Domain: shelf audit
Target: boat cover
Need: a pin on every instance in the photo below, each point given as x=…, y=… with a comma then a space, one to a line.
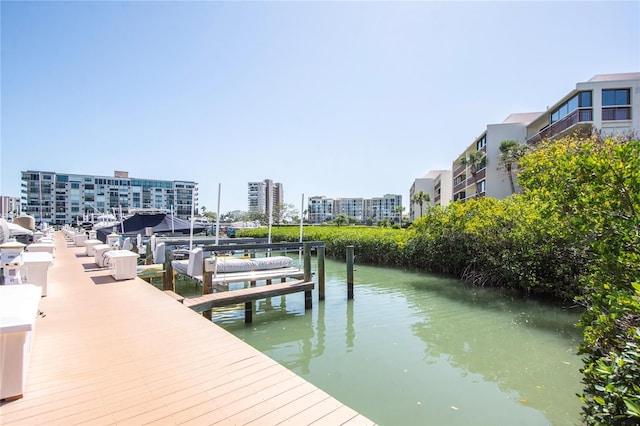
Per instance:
x=226, y=265
x=236, y=264
x=162, y=223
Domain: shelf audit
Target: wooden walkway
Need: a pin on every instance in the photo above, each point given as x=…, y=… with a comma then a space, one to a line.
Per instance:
x=112, y=352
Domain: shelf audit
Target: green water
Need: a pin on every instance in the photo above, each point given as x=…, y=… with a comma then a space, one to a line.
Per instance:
x=416, y=349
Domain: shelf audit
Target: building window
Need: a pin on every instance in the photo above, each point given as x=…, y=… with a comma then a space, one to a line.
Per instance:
x=459, y=196
x=482, y=186
x=481, y=143
x=483, y=164
x=616, y=104
x=616, y=97
x=580, y=100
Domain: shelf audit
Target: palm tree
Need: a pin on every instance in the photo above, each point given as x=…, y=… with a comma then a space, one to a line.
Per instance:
x=473, y=160
x=421, y=198
x=510, y=153
x=399, y=209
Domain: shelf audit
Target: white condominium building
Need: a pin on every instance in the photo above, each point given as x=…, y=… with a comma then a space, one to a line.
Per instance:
x=66, y=198
x=609, y=103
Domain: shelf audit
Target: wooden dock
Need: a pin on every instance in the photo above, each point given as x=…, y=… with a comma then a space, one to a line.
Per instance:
x=109, y=352
x=247, y=296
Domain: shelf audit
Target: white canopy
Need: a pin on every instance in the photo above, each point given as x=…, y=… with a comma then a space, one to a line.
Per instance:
x=4, y=231
x=15, y=230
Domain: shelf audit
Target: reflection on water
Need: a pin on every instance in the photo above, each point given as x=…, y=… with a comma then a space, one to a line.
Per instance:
x=415, y=349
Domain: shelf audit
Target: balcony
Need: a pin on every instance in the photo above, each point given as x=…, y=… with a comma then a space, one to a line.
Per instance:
x=459, y=169
x=579, y=119
x=460, y=186
x=480, y=174
x=616, y=113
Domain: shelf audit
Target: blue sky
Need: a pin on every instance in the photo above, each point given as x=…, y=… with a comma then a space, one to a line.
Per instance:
x=342, y=99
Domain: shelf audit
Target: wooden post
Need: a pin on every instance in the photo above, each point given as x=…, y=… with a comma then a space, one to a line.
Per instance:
x=308, y=302
x=320, y=273
x=306, y=248
x=148, y=258
x=167, y=277
x=248, y=312
x=349, y=272
x=207, y=288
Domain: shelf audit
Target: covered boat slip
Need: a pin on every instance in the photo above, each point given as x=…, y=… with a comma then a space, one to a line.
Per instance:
x=123, y=352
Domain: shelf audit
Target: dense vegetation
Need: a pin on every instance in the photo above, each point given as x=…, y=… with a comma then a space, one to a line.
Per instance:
x=593, y=185
x=573, y=235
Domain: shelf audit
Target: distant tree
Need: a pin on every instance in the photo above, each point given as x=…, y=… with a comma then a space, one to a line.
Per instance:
x=261, y=218
x=475, y=160
x=341, y=219
x=230, y=217
x=510, y=153
x=284, y=213
x=384, y=223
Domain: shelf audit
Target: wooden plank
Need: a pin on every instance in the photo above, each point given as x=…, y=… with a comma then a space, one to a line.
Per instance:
x=234, y=297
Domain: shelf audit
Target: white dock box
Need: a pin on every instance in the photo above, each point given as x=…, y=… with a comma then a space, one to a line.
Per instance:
x=123, y=264
x=18, y=312
x=79, y=239
x=10, y=250
x=90, y=246
x=35, y=269
x=100, y=254
x=41, y=247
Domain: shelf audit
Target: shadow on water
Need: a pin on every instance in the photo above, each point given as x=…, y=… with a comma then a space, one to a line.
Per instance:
x=534, y=313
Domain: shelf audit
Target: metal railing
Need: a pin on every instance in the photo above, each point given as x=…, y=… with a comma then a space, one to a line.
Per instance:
x=577, y=116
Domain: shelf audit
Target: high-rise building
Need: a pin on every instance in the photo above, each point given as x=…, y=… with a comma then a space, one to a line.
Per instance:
x=65, y=198
x=264, y=196
x=372, y=210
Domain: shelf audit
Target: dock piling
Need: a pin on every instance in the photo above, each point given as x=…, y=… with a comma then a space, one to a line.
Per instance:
x=320, y=273
x=350, y=272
